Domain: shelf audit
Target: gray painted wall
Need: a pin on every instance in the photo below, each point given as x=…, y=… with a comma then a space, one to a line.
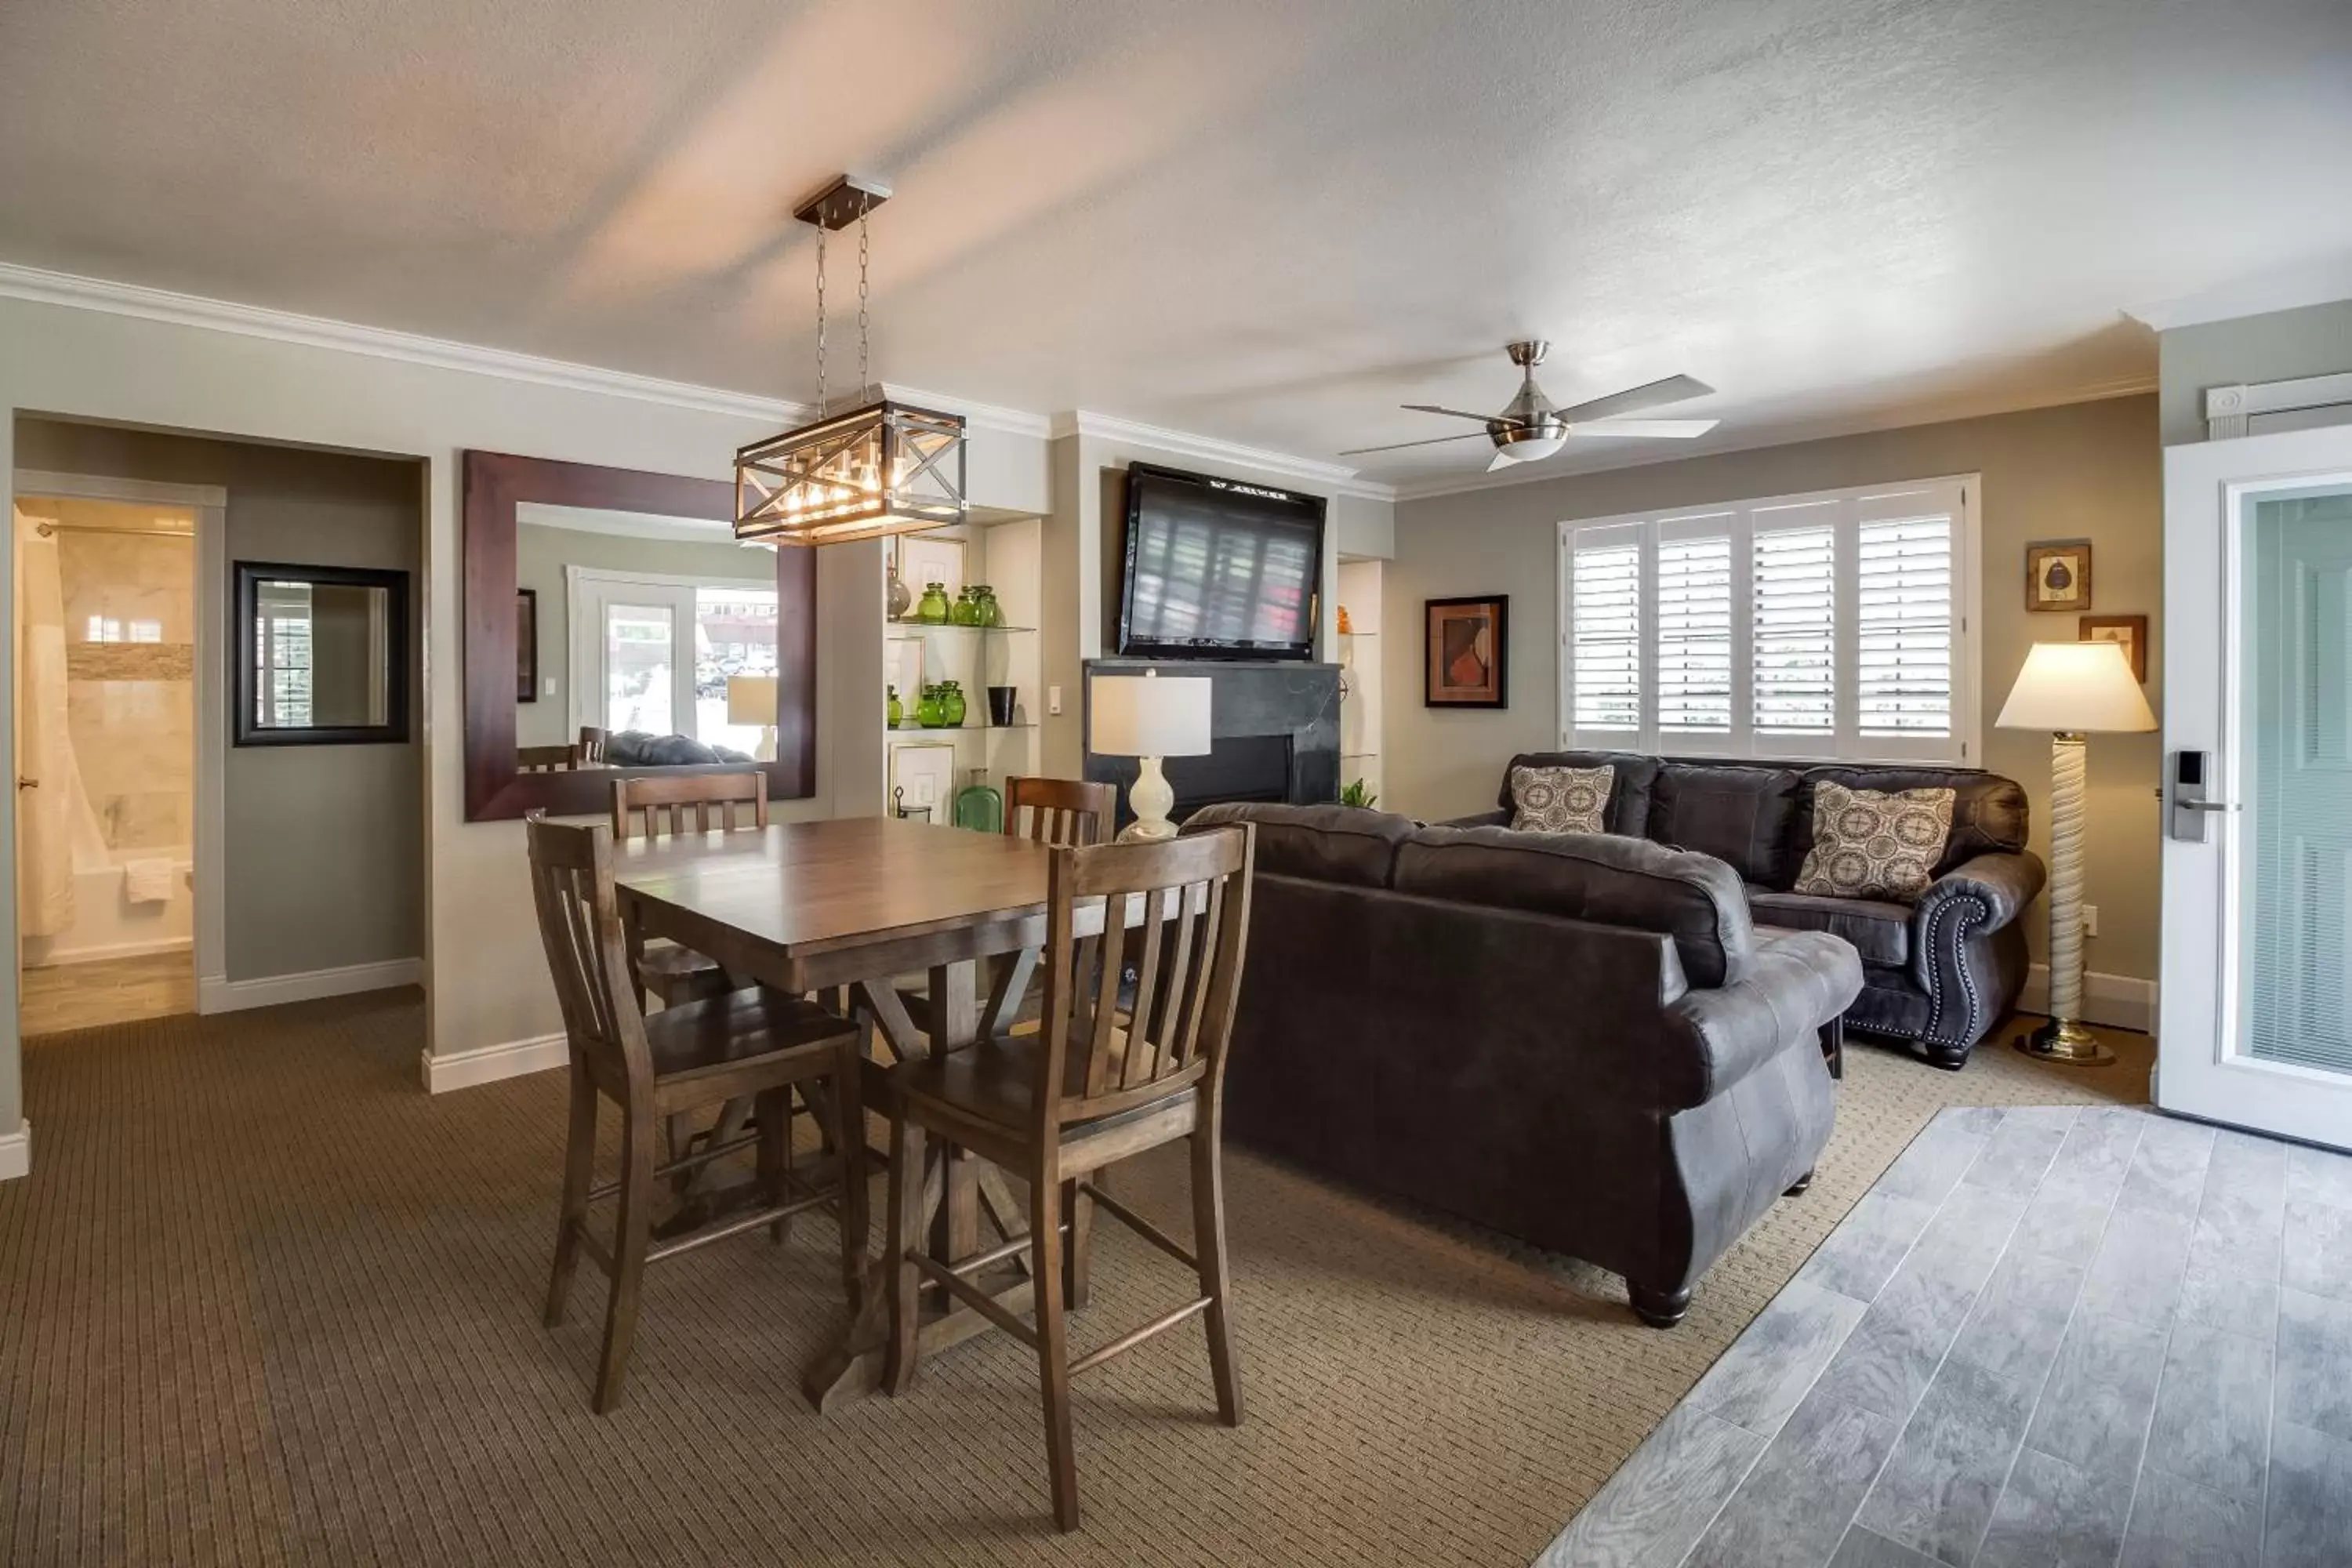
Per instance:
x=2284, y=345
x=325, y=843
x=2087, y=470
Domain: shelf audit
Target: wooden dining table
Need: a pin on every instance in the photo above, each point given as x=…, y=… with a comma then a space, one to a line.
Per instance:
x=854, y=903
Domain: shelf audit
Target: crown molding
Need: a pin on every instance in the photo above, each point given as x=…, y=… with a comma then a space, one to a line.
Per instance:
x=2325, y=282
x=1792, y=435
x=980, y=415
x=1337, y=477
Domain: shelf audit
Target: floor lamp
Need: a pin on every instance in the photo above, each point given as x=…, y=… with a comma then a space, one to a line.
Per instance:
x=2071, y=688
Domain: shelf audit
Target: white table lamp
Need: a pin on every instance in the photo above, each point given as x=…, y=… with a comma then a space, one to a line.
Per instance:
x=1148, y=717
x=2071, y=688
x=752, y=699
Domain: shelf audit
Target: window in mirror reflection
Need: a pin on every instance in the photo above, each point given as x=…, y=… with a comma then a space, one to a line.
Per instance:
x=323, y=655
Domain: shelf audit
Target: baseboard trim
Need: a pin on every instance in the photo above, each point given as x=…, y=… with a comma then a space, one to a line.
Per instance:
x=2118, y=1001
x=104, y=951
x=488, y=1064
x=219, y=993
x=17, y=1152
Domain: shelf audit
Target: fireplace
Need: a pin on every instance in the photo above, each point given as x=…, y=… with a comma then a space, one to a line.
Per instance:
x=1275, y=735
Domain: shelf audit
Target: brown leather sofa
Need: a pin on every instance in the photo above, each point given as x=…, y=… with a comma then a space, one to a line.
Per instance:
x=1580, y=1040
x=1937, y=974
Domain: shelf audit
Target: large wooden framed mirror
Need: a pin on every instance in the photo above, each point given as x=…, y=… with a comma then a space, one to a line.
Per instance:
x=615, y=627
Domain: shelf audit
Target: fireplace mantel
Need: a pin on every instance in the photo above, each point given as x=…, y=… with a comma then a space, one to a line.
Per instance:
x=1253, y=702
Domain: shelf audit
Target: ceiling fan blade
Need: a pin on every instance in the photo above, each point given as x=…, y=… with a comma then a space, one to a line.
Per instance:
x=1662, y=429
x=1458, y=413
x=1633, y=400
x=1401, y=446
x=1503, y=460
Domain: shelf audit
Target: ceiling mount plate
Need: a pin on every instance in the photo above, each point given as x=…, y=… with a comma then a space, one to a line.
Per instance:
x=842, y=202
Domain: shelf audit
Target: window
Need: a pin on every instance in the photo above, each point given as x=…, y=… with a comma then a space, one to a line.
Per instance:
x=1836, y=626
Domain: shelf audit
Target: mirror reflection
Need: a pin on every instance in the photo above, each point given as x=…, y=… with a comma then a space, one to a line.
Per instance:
x=641, y=641
x=322, y=655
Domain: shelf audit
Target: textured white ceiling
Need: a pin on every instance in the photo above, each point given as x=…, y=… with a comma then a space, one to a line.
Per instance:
x=1268, y=221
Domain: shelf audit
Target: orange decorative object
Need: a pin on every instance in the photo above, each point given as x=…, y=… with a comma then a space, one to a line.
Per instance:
x=1345, y=627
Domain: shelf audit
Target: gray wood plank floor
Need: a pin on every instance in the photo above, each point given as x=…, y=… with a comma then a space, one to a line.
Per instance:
x=2092, y=1337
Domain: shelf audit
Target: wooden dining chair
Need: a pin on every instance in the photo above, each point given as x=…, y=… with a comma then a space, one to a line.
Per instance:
x=592, y=742
x=546, y=759
x=1059, y=1107
x=757, y=1042
x=1059, y=811
x=660, y=806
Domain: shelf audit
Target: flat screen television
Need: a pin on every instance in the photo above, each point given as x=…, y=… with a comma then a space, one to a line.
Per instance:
x=1218, y=568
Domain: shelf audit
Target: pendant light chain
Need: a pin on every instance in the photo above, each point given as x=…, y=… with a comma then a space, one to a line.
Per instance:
x=865, y=379
x=821, y=409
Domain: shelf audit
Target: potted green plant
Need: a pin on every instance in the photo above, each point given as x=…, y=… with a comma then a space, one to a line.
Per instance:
x=1359, y=793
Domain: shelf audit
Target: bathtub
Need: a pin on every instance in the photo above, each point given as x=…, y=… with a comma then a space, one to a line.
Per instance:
x=108, y=925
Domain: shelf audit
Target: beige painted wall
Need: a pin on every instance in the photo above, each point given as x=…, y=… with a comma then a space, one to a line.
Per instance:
x=2087, y=470
x=2279, y=346
x=324, y=845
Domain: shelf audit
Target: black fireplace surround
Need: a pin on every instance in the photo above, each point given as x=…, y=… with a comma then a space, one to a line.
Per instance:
x=1274, y=728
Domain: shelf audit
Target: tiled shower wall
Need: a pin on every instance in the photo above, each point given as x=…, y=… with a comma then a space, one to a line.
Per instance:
x=130, y=627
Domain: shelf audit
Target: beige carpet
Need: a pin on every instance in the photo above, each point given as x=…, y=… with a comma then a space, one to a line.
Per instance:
x=263, y=1301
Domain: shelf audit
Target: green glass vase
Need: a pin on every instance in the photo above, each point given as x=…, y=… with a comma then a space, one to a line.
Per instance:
x=928, y=710
x=980, y=809
x=952, y=705
x=991, y=614
x=932, y=607
x=967, y=608
x=897, y=709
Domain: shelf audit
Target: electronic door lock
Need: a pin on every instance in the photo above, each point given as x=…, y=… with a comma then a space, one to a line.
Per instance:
x=2191, y=805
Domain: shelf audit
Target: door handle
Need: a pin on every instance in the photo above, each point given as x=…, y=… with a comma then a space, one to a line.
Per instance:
x=24, y=782
x=2206, y=804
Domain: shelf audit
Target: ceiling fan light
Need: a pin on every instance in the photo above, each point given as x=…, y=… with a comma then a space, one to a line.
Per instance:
x=1535, y=448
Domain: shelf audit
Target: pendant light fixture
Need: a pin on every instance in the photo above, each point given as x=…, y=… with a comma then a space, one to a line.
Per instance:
x=881, y=468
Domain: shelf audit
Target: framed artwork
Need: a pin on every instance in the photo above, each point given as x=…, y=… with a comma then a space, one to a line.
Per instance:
x=526, y=645
x=2129, y=630
x=1466, y=652
x=2058, y=574
x=907, y=671
x=922, y=780
x=925, y=558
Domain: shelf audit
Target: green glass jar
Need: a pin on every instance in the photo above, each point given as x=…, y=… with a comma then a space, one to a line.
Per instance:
x=932, y=607
x=951, y=705
x=897, y=709
x=967, y=608
x=991, y=614
x=927, y=713
x=980, y=807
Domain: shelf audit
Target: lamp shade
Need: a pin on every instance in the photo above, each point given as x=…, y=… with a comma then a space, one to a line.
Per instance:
x=1150, y=715
x=2077, y=687
x=752, y=699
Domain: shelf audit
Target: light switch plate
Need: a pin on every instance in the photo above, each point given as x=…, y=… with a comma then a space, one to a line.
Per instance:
x=1054, y=700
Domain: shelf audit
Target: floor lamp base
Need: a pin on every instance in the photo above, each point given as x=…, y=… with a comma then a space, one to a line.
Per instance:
x=2065, y=1041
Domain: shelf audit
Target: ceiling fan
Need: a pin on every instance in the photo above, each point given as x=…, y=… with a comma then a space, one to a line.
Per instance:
x=1531, y=428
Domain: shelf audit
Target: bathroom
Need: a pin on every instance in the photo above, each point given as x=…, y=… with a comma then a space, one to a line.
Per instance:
x=106, y=617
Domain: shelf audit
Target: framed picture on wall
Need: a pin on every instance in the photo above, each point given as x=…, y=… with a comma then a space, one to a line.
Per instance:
x=2058, y=574
x=526, y=645
x=924, y=559
x=922, y=780
x=2129, y=630
x=1466, y=652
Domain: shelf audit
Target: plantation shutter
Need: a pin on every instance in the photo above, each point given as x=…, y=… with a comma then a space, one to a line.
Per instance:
x=1605, y=650
x=1903, y=609
x=1793, y=567
x=1694, y=634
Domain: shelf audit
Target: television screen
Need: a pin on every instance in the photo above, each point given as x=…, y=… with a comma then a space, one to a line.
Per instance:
x=1218, y=568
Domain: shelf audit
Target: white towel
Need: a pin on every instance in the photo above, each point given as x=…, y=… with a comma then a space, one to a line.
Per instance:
x=148, y=882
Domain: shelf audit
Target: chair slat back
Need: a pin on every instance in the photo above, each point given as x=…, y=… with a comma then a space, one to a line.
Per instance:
x=546, y=759
x=592, y=742
x=1178, y=910
x=580, y=925
x=657, y=807
x=1059, y=811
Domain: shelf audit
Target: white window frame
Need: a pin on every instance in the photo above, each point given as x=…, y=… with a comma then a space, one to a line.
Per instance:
x=1845, y=743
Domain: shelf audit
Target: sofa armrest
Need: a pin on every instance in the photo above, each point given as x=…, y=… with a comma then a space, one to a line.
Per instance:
x=1952, y=956
x=1482, y=820
x=1799, y=980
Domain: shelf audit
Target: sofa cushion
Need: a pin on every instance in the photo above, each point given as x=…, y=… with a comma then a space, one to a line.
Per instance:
x=1346, y=844
x=1597, y=877
x=1738, y=815
x=1629, y=794
x=1874, y=844
x=1560, y=800
x=1989, y=812
x=1880, y=931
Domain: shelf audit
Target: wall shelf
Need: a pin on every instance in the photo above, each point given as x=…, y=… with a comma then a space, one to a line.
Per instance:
x=895, y=626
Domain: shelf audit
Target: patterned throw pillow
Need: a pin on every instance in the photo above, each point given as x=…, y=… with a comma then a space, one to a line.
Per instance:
x=1876, y=844
x=1560, y=800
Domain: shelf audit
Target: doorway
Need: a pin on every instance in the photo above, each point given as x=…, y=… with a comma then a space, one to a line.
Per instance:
x=108, y=695
x=2256, y=1002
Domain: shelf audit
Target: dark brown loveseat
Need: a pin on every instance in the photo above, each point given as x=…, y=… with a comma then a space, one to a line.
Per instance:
x=1579, y=1040
x=1937, y=974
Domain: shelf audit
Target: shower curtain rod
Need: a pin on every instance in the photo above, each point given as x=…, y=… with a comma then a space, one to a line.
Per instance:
x=47, y=530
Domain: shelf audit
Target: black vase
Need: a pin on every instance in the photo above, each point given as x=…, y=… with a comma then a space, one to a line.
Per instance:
x=1000, y=704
